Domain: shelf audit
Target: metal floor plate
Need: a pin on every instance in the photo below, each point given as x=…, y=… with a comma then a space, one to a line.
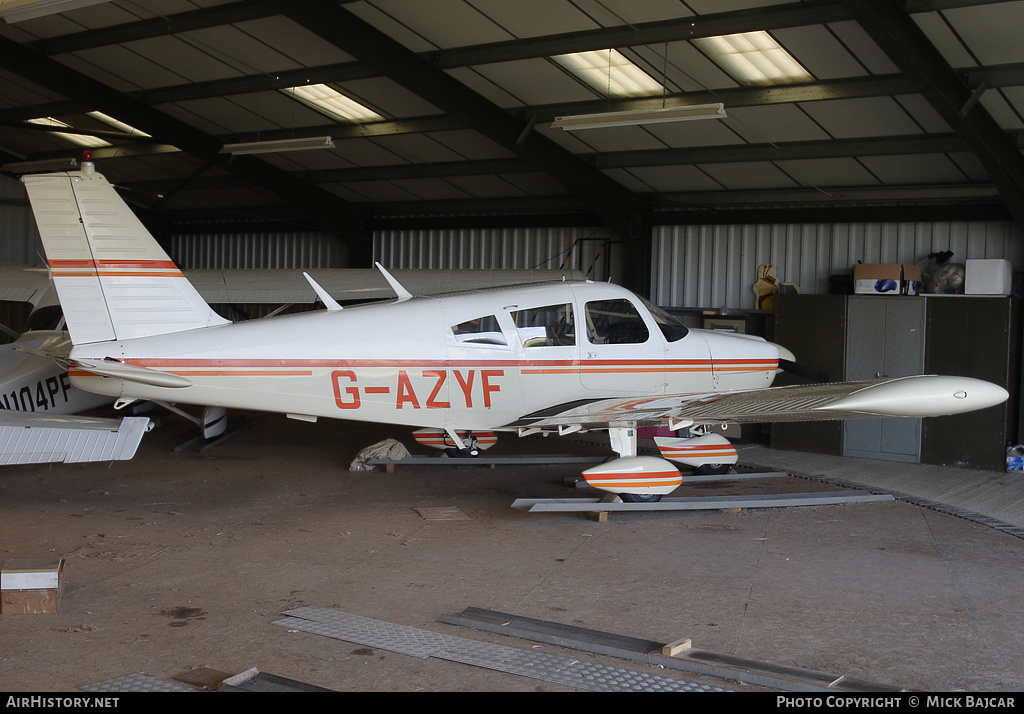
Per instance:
x=404, y=639
x=136, y=683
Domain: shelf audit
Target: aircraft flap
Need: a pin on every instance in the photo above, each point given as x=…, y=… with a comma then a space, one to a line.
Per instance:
x=131, y=373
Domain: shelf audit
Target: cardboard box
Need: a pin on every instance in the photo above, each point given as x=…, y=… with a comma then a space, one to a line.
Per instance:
x=988, y=277
x=723, y=324
x=886, y=279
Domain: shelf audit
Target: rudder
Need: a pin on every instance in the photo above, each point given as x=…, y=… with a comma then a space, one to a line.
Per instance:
x=114, y=280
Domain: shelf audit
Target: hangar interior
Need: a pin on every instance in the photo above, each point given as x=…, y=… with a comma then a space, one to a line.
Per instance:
x=839, y=132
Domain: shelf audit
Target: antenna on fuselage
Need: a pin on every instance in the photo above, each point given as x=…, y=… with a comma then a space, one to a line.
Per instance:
x=401, y=292
x=329, y=302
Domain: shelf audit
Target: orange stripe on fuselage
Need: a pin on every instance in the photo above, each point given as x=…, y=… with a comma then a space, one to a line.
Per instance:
x=304, y=367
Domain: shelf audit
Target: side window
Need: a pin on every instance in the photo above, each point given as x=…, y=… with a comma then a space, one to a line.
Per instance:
x=548, y=326
x=615, y=322
x=481, y=331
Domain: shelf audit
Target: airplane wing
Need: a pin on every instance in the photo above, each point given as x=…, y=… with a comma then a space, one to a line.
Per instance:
x=32, y=438
x=277, y=286
x=917, y=396
x=23, y=283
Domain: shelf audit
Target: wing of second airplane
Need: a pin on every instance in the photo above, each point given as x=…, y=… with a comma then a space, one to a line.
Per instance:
x=353, y=284
x=917, y=396
x=32, y=438
x=23, y=283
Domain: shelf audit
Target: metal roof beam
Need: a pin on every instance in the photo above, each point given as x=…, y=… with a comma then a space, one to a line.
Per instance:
x=647, y=33
x=156, y=27
x=616, y=207
x=627, y=35
x=789, y=151
x=334, y=213
x=909, y=49
x=686, y=28
x=796, y=150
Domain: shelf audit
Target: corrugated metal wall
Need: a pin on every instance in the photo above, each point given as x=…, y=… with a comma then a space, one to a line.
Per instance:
x=584, y=249
x=715, y=266
x=710, y=266
x=694, y=266
x=258, y=250
x=19, y=239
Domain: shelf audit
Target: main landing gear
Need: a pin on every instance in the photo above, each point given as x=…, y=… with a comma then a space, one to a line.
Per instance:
x=635, y=479
x=645, y=479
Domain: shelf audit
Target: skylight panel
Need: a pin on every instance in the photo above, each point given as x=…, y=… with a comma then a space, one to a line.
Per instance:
x=333, y=103
x=90, y=142
x=754, y=58
x=609, y=72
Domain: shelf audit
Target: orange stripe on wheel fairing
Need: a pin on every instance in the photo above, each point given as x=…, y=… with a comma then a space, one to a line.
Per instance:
x=633, y=483
x=703, y=455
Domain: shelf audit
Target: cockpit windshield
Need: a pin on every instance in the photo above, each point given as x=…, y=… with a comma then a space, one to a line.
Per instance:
x=670, y=326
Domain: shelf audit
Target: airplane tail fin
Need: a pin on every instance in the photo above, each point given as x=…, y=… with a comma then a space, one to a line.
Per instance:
x=114, y=280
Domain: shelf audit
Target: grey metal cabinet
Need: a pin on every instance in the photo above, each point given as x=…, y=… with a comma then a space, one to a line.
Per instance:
x=856, y=337
x=885, y=337
x=974, y=337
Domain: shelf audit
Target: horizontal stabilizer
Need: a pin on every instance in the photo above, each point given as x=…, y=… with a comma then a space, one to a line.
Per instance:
x=39, y=439
x=120, y=370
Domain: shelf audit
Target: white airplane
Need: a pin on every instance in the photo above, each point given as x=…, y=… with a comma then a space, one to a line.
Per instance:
x=558, y=357
x=35, y=389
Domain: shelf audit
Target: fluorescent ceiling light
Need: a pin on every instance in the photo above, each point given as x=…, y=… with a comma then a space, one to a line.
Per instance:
x=119, y=125
x=333, y=103
x=18, y=10
x=640, y=116
x=754, y=58
x=270, y=147
x=609, y=72
x=85, y=140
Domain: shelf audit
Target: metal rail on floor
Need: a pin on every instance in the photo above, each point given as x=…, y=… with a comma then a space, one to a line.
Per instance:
x=491, y=461
x=766, y=674
x=697, y=503
x=407, y=640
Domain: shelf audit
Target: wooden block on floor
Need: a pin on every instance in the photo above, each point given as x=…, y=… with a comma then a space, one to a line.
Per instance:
x=674, y=648
x=31, y=586
x=602, y=516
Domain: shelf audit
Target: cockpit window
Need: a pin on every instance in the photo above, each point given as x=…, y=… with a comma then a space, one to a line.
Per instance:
x=670, y=326
x=548, y=326
x=481, y=331
x=615, y=322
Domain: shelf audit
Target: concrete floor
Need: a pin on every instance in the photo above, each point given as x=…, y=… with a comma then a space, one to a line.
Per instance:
x=179, y=564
